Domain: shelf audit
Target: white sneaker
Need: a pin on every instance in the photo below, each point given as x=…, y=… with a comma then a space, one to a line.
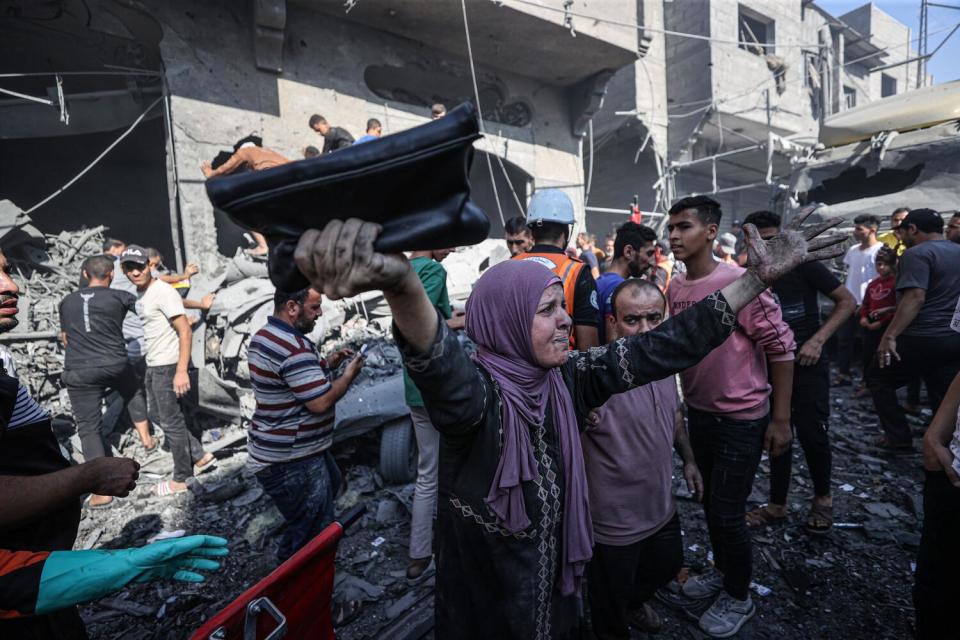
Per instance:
x=726, y=615
x=705, y=585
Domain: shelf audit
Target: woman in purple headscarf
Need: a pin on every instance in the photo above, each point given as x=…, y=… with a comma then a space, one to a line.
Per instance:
x=514, y=530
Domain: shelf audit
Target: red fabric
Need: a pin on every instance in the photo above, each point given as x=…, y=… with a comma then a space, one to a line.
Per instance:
x=301, y=588
x=881, y=292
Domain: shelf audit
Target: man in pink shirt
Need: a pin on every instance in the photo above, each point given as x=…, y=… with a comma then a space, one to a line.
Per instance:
x=732, y=416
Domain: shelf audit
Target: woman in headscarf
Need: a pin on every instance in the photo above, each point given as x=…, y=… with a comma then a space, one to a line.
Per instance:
x=514, y=530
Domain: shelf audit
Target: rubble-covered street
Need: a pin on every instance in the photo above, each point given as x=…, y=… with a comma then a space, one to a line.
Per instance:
x=853, y=583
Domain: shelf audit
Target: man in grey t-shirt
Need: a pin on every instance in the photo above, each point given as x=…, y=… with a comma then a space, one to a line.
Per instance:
x=923, y=339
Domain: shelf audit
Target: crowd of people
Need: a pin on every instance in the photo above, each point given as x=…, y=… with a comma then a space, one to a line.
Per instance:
x=545, y=460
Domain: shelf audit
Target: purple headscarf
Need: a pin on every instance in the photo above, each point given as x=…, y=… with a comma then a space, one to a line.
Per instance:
x=500, y=313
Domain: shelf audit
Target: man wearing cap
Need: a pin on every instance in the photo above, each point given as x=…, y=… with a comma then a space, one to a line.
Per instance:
x=923, y=339
x=168, y=338
x=727, y=248
x=549, y=217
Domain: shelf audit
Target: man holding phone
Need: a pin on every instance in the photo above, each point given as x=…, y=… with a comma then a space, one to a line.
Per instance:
x=291, y=432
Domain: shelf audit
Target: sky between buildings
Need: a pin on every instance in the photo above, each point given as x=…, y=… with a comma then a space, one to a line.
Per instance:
x=945, y=65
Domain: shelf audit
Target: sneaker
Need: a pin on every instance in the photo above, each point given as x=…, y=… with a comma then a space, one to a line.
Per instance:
x=727, y=614
x=705, y=585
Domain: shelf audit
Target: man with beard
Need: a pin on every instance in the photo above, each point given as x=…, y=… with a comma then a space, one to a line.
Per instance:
x=634, y=254
x=291, y=431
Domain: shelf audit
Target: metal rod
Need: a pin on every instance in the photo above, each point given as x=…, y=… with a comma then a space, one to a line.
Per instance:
x=624, y=211
x=687, y=163
x=27, y=336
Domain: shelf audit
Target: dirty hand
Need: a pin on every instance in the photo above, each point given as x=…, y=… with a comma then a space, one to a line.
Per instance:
x=181, y=383
x=338, y=356
x=354, y=367
x=109, y=476
x=778, y=437
x=75, y=577
x=771, y=259
x=691, y=474
x=887, y=351
x=809, y=353
x=207, y=301
x=937, y=457
x=191, y=270
x=340, y=261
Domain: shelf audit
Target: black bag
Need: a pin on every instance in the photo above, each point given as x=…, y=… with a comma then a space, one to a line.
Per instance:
x=414, y=183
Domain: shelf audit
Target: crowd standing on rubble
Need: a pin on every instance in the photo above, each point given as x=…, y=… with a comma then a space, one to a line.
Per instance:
x=532, y=450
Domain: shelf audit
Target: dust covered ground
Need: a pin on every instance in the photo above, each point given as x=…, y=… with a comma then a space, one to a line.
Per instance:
x=852, y=583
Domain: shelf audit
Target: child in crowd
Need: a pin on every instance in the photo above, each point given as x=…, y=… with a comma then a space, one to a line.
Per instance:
x=879, y=302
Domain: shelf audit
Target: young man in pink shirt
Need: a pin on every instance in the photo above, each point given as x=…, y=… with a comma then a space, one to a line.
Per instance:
x=738, y=400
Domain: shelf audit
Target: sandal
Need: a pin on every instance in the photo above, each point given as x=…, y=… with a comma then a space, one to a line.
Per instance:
x=762, y=517
x=103, y=505
x=164, y=489
x=820, y=519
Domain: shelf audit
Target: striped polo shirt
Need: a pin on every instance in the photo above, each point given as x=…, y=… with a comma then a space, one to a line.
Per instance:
x=286, y=371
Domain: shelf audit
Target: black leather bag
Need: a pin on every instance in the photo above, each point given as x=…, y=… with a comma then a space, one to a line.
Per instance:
x=414, y=183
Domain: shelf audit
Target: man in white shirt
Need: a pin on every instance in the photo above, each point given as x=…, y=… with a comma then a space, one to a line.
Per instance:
x=167, y=335
x=861, y=269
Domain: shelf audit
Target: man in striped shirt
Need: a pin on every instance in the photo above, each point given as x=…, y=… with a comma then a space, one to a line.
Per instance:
x=292, y=428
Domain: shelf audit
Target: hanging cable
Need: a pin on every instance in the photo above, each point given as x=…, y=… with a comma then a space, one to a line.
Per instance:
x=64, y=114
x=476, y=94
x=586, y=191
x=97, y=159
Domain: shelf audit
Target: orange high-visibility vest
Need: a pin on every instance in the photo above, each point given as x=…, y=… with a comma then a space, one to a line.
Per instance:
x=566, y=268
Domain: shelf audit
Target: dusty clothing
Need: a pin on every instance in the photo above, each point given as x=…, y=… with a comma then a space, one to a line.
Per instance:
x=157, y=308
x=425, y=494
x=492, y=583
x=630, y=454
x=763, y=336
x=254, y=158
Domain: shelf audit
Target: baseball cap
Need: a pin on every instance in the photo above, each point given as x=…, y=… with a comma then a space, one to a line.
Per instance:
x=728, y=243
x=926, y=220
x=134, y=253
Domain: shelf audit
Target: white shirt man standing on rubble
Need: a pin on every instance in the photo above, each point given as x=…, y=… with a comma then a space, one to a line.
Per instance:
x=291, y=431
x=168, y=338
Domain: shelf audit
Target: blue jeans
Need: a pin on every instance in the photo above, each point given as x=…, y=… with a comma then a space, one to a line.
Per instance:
x=728, y=452
x=304, y=491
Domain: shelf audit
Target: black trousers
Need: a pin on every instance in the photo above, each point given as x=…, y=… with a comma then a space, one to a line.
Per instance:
x=809, y=413
x=165, y=407
x=87, y=388
x=620, y=579
x=936, y=360
x=728, y=452
x=936, y=590
x=847, y=337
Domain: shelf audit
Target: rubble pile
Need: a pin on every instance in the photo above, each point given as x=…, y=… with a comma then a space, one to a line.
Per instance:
x=854, y=582
x=46, y=268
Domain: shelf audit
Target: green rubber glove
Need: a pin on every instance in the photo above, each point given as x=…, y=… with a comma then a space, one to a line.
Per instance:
x=73, y=577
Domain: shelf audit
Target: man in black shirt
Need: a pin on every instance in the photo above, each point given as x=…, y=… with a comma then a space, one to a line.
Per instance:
x=798, y=293
x=334, y=138
x=91, y=325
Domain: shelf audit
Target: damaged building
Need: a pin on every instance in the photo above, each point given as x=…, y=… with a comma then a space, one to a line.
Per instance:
x=741, y=101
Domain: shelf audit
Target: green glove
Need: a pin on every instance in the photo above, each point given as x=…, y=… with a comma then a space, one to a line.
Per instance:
x=73, y=577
